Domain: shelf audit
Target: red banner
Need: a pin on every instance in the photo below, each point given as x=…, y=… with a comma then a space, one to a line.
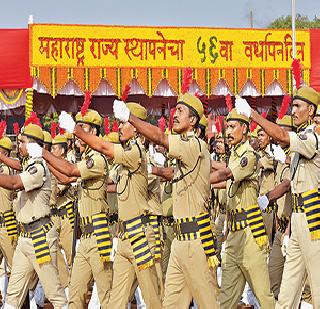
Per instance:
x=14, y=59
x=315, y=59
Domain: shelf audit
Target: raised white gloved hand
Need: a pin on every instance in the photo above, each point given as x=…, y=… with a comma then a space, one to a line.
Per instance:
x=114, y=249
x=159, y=158
x=66, y=122
x=279, y=154
x=263, y=202
x=242, y=107
x=285, y=244
x=121, y=111
x=34, y=150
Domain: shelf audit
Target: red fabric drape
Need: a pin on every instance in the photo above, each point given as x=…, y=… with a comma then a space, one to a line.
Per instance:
x=315, y=59
x=14, y=59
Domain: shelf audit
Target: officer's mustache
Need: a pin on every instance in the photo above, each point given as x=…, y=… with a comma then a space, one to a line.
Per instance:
x=175, y=119
x=229, y=137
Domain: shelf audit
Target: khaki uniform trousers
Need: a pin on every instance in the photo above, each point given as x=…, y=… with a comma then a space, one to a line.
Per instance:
x=65, y=235
x=87, y=265
x=276, y=264
x=302, y=260
x=126, y=273
x=219, y=227
x=24, y=269
x=7, y=246
x=244, y=261
x=268, y=224
x=188, y=269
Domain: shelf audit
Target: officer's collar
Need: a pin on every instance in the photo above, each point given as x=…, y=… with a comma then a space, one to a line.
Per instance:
x=127, y=144
x=286, y=150
x=240, y=147
x=303, y=126
x=222, y=157
x=187, y=135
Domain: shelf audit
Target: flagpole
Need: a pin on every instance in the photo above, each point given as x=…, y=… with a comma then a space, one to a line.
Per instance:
x=293, y=17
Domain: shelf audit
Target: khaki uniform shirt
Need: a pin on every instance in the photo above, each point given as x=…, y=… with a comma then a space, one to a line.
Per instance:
x=93, y=189
x=6, y=196
x=221, y=194
x=242, y=191
x=33, y=201
x=112, y=196
x=154, y=190
x=267, y=169
x=305, y=174
x=132, y=181
x=166, y=196
x=54, y=191
x=191, y=194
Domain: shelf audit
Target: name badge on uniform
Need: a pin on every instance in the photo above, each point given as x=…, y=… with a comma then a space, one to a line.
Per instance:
x=32, y=170
x=89, y=163
x=303, y=137
x=244, y=161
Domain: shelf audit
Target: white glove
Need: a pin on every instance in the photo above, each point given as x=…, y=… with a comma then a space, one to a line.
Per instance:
x=285, y=244
x=121, y=111
x=149, y=169
x=66, y=122
x=34, y=150
x=279, y=154
x=159, y=158
x=242, y=107
x=114, y=249
x=263, y=202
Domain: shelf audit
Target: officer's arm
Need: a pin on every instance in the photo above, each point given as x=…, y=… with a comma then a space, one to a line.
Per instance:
x=279, y=191
x=272, y=129
x=111, y=188
x=61, y=165
x=218, y=165
x=151, y=132
x=11, y=182
x=164, y=172
x=95, y=142
x=62, y=178
x=220, y=185
x=13, y=163
x=220, y=175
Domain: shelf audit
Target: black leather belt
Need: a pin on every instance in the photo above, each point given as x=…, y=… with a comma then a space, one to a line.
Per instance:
x=147, y=219
x=87, y=229
x=54, y=211
x=185, y=227
x=29, y=227
x=112, y=218
x=168, y=220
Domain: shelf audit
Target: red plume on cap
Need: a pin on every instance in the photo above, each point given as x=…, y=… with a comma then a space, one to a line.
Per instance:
x=61, y=131
x=125, y=93
x=296, y=71
x=284, y=106
x=3, y=126
x=106, y=125
x=197, y=94
x=172, y=111
x=218, y=124
x=264, y=114
x=162, y=123
x=33, y=119
x=16, y=128
x=54, y=126
x=253, y=126
x=86, y=103
x=229, y=102
x=115, y=127
x=187, y=79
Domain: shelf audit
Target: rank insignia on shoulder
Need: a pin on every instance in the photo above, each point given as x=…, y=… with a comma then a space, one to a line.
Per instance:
x=89, y=163
x=32, y=170
x=303, y=137
x=244, y=161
